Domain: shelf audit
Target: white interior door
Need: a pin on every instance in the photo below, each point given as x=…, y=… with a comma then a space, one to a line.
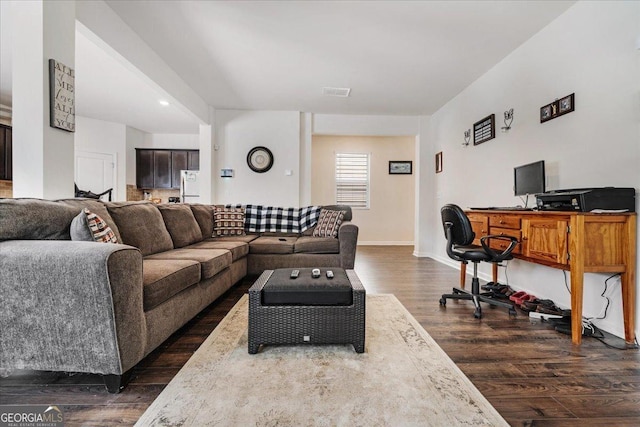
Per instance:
x=95, y=172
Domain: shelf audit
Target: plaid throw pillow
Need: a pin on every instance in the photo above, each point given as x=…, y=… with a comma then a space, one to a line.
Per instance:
x=328, y=223
x=99, y=229
x=228, y=221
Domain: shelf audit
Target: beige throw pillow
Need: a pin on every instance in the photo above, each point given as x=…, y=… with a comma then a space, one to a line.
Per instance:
x=328, y=223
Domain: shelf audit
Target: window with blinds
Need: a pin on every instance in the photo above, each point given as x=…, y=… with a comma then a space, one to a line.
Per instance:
x=352, y=180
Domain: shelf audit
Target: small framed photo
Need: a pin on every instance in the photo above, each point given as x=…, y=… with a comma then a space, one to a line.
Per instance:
x=566, y=104
x=545, y=113
x=439, y=162
x=400, y=167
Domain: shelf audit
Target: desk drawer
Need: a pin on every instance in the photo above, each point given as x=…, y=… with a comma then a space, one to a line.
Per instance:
x=504, y=221
x=504, y=244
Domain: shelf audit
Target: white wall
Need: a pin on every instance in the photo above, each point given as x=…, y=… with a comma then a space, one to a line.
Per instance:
x=237, y=132
x=390, y=218
x=589, y=50
x=135, y=138
x=42, y=155
x=171, y=141
x=97, y=136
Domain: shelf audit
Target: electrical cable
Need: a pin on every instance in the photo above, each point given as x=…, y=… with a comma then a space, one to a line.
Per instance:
x=566, y=285
x=606, y=307
x=595, y=331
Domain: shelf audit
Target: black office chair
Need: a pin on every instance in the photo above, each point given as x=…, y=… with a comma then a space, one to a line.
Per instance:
x=91, y=195
x=459, y=235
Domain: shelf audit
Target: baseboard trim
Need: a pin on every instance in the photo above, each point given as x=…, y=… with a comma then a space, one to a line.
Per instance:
x=387, y=243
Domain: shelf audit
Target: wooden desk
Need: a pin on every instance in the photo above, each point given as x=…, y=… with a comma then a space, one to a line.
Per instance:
x=574, y=241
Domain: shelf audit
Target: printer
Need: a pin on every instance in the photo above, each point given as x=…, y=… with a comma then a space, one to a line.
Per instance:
x=588, y=199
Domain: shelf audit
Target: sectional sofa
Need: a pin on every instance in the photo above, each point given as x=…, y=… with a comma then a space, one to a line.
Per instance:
x=80, y=306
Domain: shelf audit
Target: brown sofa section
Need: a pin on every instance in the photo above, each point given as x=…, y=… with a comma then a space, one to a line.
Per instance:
x=165, y=268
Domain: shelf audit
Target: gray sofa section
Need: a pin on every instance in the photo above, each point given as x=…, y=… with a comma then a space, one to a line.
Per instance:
x=82, y=306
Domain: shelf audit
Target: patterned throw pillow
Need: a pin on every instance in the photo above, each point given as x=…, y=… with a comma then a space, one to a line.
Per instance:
x=88, y=226
x=328, y=223
x=228, y=221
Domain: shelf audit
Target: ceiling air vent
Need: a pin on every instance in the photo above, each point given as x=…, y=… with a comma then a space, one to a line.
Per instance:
x=342, y=92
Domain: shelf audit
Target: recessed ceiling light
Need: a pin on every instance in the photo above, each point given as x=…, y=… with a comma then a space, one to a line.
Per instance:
x=342, y=92
x=164, y=103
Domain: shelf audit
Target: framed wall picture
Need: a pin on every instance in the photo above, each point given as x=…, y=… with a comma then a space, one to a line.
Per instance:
x=400, y=167
x=557, y=108
x=484, y=129
x=62, y=111
x=439, y=162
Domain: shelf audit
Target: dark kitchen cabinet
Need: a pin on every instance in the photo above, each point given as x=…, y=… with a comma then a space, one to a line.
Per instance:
x=144, y=168
x=178, y=163
x=161, y=168
x=193, y=161
x=6, y=161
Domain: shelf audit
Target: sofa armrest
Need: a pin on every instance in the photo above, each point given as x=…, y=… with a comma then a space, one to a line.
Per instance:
x=348, y=236
x=70, y=306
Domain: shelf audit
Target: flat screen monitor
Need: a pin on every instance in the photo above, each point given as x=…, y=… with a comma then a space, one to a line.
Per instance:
x=529, y=179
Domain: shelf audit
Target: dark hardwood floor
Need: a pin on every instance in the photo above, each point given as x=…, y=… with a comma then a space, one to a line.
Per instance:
x=532, y=374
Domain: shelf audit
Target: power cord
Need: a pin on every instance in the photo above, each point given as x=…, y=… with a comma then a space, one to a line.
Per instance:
x=591, y=330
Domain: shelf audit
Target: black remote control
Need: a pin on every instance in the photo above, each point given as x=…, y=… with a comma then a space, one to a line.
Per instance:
x=294, y=274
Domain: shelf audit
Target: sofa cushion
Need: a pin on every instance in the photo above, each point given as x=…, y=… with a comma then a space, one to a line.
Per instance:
x=246, y=238
x=89, y=227
x=204, y=216
x=181, y=224
x=328, y=223
x=280, y=289
x=317, y=245
x=141, y=225
x=163, y=279
x=97, y=207
x=272, y=245
x=228, y=221
x=35, y=219
x=237, y=249
x=212, y=261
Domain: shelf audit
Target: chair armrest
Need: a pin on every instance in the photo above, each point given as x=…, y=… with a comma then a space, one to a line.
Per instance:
x=70, y=306
x=499, y=256
x=348, y=236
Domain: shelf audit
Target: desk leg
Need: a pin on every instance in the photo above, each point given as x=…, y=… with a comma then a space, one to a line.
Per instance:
x=628, y=282
x=576, y=264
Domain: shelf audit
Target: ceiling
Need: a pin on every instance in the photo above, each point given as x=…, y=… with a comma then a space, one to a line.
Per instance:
x=398, y=57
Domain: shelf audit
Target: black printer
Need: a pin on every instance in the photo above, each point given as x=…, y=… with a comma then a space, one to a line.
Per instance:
x=588, y=199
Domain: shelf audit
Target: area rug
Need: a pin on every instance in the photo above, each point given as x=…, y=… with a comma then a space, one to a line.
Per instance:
x=403, y=379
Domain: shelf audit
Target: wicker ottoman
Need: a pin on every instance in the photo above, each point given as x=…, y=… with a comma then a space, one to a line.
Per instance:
x=281, y=323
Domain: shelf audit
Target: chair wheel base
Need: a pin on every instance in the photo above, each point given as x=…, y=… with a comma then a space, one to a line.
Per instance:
x=443, y=302
x=477, y=314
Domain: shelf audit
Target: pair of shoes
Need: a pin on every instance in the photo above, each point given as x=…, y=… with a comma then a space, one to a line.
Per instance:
x=588, y=329
x=501, y=291
x=520, y=297
x=547, y=306
x=529, y=301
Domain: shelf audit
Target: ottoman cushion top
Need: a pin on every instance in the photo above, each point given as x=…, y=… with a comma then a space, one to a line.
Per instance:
x=281, y=289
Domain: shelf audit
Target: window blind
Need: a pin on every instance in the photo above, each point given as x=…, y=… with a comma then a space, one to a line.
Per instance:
x=352, y=179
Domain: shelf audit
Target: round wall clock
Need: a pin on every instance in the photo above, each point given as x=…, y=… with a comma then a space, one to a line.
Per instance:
x=260, y=159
